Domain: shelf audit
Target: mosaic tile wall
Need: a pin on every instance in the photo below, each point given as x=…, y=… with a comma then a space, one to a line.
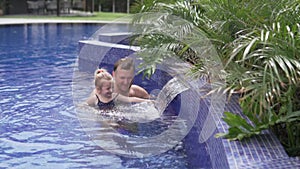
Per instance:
x=263, y=151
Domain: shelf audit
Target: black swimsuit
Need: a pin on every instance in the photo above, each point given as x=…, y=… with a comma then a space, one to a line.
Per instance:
x=106, y=106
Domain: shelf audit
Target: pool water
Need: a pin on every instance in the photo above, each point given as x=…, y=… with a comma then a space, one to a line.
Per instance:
x=39, y=126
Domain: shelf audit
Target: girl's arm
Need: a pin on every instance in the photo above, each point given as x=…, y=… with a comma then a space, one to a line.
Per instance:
x=92, y=99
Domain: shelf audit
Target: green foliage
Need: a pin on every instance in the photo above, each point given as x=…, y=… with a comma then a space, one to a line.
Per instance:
x=2, y=4
x=146, y=5
x=97, y=16
x=258, y=42
x=240, y=128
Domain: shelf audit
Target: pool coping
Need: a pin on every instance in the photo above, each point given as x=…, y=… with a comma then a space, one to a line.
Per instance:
x=15, y=21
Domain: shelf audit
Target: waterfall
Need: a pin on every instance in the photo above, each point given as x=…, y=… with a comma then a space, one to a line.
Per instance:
x=145, y=111
x=143, y=118
x=168, y=93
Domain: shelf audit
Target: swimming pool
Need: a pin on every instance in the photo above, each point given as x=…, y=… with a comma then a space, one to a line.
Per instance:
x=39, y=127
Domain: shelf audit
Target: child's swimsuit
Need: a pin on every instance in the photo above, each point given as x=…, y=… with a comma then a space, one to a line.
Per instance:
x=108, y=105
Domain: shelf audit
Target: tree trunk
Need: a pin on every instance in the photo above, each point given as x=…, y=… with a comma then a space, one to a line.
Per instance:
x=128, y=6
x=58, y=7
x=113, y=6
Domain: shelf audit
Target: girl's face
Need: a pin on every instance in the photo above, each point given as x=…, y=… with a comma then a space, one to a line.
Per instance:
x=106, y=90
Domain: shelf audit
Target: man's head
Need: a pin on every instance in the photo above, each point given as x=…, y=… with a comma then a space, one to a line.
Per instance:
x=123, y=74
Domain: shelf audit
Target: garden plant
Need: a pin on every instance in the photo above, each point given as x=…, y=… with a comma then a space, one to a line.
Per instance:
x=258, y=43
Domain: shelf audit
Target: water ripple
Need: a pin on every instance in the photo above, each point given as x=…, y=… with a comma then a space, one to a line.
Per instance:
x=38, y=124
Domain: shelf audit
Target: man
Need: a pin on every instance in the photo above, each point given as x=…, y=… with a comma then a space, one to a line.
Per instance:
x=123, y=74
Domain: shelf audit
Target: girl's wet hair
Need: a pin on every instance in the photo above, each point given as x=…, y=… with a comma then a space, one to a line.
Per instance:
x=102, y=74
x=125, y=63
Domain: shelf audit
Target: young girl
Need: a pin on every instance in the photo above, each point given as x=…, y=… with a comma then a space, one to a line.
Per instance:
x=103, y=96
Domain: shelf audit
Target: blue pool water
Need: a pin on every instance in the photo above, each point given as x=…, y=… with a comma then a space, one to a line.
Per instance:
x=39, y=127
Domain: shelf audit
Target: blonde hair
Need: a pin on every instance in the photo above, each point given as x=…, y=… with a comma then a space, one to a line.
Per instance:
x=102, y=74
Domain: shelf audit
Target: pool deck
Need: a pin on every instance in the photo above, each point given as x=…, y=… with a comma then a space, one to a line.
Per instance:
x=13, y=21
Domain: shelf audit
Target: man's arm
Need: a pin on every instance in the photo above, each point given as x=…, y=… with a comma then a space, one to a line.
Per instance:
x=131, y=99
x=137, y=91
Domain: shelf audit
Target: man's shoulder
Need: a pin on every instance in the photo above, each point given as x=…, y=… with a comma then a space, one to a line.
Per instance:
x=136, y=87
x=138, y=91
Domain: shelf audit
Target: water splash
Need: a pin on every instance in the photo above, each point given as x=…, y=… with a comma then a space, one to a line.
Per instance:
x=137, y=119
x=168, y=93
